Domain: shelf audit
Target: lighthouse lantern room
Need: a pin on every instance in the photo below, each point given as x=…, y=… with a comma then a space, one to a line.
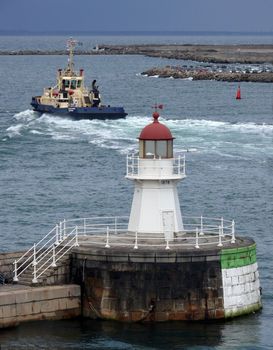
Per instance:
x=156, y=171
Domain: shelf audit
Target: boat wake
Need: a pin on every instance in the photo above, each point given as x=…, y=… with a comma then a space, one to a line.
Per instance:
x=192, y=135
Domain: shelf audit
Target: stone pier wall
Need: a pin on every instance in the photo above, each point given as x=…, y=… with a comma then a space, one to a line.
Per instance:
x=241, y=285
x=193, y=284
x=150, y=287
x=39, y=303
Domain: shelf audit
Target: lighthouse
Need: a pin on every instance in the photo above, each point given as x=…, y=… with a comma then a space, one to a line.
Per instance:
x=156, y=266
x=156, y=171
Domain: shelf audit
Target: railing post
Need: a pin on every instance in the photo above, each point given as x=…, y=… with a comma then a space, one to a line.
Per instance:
x=136, y=246
x=53, y=256
x=196, y=238
x=57, y=235
x=64, y=229
x=184, y=166
x=34, y=264
x=77, y=239
x=233, y=232
x=107, y=238
x=61, y=232
x=15, y=278
x=201, y=233
x=167, y=244
x=220, y=237
x=222, y=226
x=179, y=165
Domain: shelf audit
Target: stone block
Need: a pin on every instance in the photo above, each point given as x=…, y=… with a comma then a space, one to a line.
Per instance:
x=179, y=305
x=177, y=316
x=36, y=307
x=108, y=303
x=135, y=316
x=62, y=304
x=219, y=313
x=235, y=280
x=25, y=309
x=227, y=281
x=7, y=298
x=198, y=258
x=73, y=303
x=213, y=258
x=49, y=305
x=9, y=311
x=161, y=316
x=165, y=305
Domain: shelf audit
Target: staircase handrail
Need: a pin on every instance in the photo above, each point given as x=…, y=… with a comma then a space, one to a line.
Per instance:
x=56, y=259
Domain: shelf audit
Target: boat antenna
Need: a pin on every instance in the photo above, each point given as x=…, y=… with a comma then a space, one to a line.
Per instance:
x=71, y=47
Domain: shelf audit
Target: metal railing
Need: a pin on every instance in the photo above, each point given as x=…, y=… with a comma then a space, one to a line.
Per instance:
x=136, y=168
x=113, y=232
x=44, y=254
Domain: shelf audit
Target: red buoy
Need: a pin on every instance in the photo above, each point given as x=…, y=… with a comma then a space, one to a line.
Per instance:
x=238, y=94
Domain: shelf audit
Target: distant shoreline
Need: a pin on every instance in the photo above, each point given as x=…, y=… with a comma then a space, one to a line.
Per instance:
x=248, y=54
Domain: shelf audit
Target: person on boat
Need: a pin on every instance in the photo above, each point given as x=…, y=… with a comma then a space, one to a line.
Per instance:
x=95, y=88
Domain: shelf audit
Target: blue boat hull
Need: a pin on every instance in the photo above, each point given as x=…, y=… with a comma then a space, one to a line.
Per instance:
x=78, y=113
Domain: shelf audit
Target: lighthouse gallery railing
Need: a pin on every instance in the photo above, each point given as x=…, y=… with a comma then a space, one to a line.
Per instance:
x=135, y=165
x=113, y=231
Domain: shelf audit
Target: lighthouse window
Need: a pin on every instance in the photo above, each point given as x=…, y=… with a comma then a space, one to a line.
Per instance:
x=170, y=148
x=149, y=149
x=161, y=149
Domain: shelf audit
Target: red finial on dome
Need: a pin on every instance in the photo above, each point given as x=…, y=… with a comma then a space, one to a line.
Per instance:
x=156, y=116
x=156, y=130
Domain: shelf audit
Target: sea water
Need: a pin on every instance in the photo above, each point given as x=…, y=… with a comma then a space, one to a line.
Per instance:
x=53, y=168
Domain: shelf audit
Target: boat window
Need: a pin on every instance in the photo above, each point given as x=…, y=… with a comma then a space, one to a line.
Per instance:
x=66, y=83
x=79, y=83
x=73, y=84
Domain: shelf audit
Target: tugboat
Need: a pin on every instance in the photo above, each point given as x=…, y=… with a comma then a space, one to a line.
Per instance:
x=69, y=97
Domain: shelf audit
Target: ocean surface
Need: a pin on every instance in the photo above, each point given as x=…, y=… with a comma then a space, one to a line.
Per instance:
x=53, y=168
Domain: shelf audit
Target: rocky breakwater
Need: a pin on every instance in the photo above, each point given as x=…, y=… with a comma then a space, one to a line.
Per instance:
x=177, y=72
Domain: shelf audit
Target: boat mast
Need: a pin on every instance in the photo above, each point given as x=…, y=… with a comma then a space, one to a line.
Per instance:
x=70, y=47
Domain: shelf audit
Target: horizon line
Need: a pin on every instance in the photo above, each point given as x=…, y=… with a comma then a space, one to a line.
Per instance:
x=130, y=32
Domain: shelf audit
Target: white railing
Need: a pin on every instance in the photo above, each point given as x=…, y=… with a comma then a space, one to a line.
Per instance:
x=44, y=254
x=137, y=166
x=113, y=232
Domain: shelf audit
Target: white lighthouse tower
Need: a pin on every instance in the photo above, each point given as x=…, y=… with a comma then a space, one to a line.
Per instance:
x=155, y=172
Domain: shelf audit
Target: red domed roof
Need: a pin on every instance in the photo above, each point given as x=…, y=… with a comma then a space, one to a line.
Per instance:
x=156, y=131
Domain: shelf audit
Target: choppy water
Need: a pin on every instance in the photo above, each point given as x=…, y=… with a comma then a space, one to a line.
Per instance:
x=53, y=168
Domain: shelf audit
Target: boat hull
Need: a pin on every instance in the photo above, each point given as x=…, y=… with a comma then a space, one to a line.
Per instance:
x=77, y=113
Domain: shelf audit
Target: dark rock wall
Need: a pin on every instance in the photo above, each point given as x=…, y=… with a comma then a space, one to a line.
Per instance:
x=136, y=291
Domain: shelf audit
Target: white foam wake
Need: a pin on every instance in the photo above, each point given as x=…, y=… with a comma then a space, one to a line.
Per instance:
x=121, y=135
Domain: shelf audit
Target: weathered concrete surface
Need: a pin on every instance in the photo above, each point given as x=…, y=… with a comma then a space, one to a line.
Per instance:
x=151, y=284
x=203, y=74
x=21, y=303
x=200, y=53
